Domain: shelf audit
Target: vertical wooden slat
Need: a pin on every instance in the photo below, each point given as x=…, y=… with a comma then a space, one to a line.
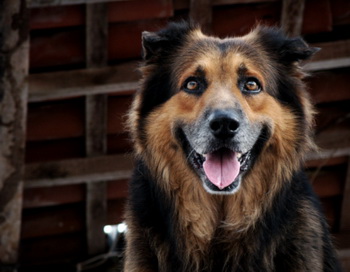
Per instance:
x=13, y=104
x=292, y=16
x=201, y=13
x=96, y=126
x=345, y=214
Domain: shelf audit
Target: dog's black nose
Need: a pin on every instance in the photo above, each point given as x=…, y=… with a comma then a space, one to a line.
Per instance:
x=223, y=124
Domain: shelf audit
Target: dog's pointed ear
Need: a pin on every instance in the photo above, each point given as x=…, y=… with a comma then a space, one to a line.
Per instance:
x=165, y=41
x=152, y=44
x=287, y=50
x=296, y=49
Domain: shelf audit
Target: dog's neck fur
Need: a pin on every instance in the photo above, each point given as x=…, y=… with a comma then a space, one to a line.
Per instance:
x=200, y=215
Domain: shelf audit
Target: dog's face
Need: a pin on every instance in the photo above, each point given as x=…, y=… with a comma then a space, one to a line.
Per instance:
x=219, y=135
x=221, y=102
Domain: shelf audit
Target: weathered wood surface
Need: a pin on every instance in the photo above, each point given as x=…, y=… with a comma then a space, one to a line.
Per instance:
x=45, y=3
x=69, y=194
x=77, y=171
x=57, y=85
x=96, y=126
x=345, y=215
x=13, y=99
x=292, y=16
x=201, y=14
x=184, y=4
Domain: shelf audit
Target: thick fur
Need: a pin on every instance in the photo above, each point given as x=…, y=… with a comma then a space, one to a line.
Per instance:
x=272, y=220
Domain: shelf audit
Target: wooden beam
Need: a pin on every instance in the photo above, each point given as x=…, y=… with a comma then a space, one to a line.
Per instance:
x=328, y=153
x=201, y=13
x=57, y=85
x=47, y=3
x=78, y=171
x=184, y=4
x=345, y=215
x=332, y=50
x=292, y=16
x=96, y=126
x=327, y=64
x=14, y=56
x=332, y=55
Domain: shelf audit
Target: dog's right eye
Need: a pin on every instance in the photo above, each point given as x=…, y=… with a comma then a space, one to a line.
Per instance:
x=194, y=85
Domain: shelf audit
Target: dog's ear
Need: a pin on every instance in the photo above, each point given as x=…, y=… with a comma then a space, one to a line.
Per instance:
x=286, y=50
x=296, y=49
x=152, y=44
x=165, y=41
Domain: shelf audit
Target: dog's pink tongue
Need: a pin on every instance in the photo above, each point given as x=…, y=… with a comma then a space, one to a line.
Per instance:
x=221, y=167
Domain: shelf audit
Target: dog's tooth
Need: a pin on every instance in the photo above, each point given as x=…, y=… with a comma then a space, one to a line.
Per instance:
x=239, y=155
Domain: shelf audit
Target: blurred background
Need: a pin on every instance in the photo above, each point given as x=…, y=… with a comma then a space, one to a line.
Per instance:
x=80, y=59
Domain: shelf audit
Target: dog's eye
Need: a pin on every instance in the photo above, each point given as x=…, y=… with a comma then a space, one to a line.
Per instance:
x=194, y=85
x=251, y=86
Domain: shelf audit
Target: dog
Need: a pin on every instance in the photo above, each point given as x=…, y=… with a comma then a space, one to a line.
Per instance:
x=220, y=129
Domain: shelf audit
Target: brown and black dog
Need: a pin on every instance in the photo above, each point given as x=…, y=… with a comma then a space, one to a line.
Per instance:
x=220, y=129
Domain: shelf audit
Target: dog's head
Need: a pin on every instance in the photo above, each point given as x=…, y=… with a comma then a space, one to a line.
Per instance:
x=221, y=104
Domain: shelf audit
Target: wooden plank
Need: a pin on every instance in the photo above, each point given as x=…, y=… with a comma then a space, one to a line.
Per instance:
x=49, y=221
x=329, y=153
x=65, y=118
x=130, y=34
x=326, y=162
x=39, y=95
x=345, y=215
x=184, y=4
x=340, y=12
x=327, y=182
x=77, y=171
x=13, y=99
x=201, y=13
x=64, y=219
x=332, y=50
x=54, y=17
x=55, y=120
x=96, y=126
x=239, y=20
x=137, y=10
x=328, y=64
x=61, y=149
x=292, y=16
x=69, y=49
x=121, y=78
x=322, y=82
x=119, y=11
x=332, y=55
x=69, y=194
x=47, y=3
x=317, y=22
x=56, y=249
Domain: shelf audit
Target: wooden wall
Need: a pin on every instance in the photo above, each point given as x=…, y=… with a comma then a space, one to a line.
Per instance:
x=63, y=80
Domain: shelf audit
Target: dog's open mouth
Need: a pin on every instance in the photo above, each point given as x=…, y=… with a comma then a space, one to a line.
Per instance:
x=222, y=168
